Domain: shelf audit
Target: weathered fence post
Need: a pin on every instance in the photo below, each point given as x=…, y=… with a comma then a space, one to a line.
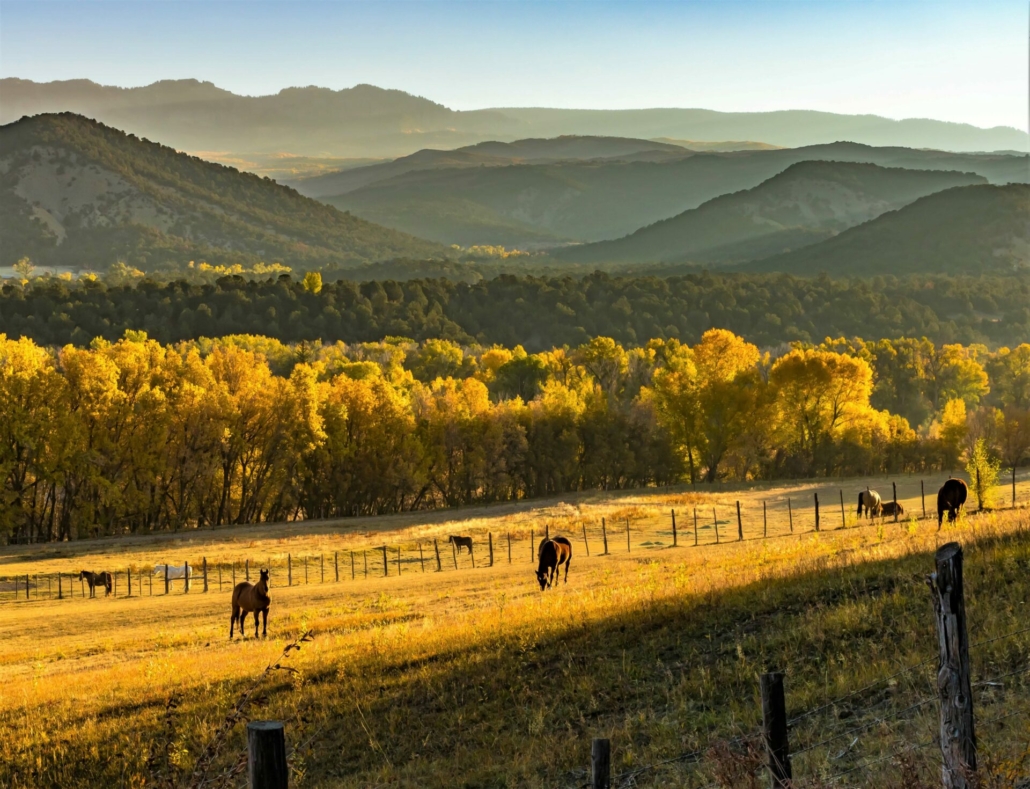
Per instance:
x=421, y=558
x=364, y=557
x=490, y=537
x=336, y=565
x=790, y=514
x=817, y=512
x=958, y=739
x=386, y=565
x=186, y=577
x=765, y=521
x=774, y=730
x=628, y=548
x=600, y=763
x=233, y=573
x=289, y=569
x=352, y=574
x=266, y=755
x=454, y=554
x=247, y=566
x=695, y=527
x=472, y=556
x=398, y=561
x=304, y=561
x=547, y=531
x=674, y=537
x=715, y=520
x=509, y=547
x=922, y=496
x=604, y=535
x=843, y=520
x=586, y=543
x=82, y=589
x=894, y=485
x=60, y=590
x=532, y=540
x=219, y=578
x=128, y=578
x=439, y=567
x=114, y=579
x=166, y=577
x=204, y=560
x=740, y=525
x=321, y=567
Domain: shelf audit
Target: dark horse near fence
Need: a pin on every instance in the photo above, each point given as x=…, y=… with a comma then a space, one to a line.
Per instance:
x=553, y=554
x=890, y=507
x=247, y=598
x=96, y=579
x=461, y=542
x=871, y=501
x=951, y=497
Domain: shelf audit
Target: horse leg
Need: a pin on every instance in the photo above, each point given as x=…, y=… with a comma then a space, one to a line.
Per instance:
x=257, y=623
x=243, y=618
x=264, y=622
x=567, y=563
x=232, y=622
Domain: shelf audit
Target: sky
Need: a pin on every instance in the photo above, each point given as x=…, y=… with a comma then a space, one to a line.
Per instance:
x=966, y=62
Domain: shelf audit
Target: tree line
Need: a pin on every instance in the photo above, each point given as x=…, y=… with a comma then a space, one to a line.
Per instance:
x=136, y=435
x=537, y=312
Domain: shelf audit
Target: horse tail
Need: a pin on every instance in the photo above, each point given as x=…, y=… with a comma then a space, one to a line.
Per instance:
x=860, y=496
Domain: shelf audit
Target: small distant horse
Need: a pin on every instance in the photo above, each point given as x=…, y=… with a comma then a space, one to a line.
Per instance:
x=250, y=598
x=890, y=507
x=461, y=542
x=871, y=502
x=553, y=554
x=951, y=497
x=96, y=579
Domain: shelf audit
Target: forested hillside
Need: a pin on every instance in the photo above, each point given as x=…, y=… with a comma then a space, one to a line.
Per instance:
x=806, y=203
x=74, y=192
x=536, y=312
x=136, y=436
x=963, y=230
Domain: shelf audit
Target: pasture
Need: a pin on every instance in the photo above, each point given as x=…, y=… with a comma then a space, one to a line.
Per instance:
x=473, y=677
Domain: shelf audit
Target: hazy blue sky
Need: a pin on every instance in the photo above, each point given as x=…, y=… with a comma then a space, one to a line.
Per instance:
x=953, y=61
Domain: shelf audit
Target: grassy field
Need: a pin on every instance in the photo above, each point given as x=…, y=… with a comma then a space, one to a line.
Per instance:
x=474, y=678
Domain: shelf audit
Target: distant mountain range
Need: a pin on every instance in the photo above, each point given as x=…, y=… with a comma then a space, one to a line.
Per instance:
x=966, y=230
x=366, y=121
x=806, y=203
x=77, y=193
x=542, y=204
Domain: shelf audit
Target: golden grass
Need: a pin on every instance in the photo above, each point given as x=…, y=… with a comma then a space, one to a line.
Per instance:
x=476, y=679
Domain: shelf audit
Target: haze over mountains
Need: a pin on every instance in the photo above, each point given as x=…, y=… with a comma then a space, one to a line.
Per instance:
x=366, y=121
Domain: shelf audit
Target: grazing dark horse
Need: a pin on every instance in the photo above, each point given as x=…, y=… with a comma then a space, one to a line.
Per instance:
x=96, y=579
x=247, y=598
x=889, y=507
x=871, y=501
x=461, y=542
x=951, y=497
x=553, y=554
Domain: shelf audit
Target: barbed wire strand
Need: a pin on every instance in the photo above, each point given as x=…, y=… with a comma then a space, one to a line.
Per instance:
x=865, y=726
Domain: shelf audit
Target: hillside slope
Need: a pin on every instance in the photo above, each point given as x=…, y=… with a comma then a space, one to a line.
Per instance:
x=366, y=121
x=533, y=204
x=966, y=230
x=76, y=192
x=807, y=202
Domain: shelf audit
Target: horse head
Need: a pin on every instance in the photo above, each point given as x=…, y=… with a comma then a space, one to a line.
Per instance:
x=264, y=577
x=541, y=577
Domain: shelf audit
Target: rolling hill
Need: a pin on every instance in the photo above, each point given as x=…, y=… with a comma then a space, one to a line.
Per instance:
x=533, y=205
x=75, y=192
x=806, y=203
x=966, y=230
x=366, y=121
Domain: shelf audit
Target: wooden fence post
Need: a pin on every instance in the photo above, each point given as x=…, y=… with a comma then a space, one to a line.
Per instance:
x=398, y=561
x=454, y=554
x=894, y=485
x=352, y=575
x=547, y=531
x=150, y=584
x=266, y=755
x=695, y=527
x=790, y=514
x=674, y=538
x=957, y=737
x=439, y=567
x=765, y=521
x=247, y=566
x=922, y=496
x=715, y=520
x=128, y=578
x=628, y=548
x=336, y=565
x=472, y=556
x=289, y=569
x=364, y=557
x=600, y=763
x=219, y=578
x=186, y=577
x=321, y=567
x=532, y=540
x=490, y=537
x=843, y=520
x=166, y=577
x=386, y=565
x=205, y=573
x=740, y=525
x=509, y=547
x=114, y=580
x=774, y=730
x=586, y=542
x=817, y=512
x=304, y=561
x=82, y=589
x=604, y=535
x=60, y=590
x=421, y=558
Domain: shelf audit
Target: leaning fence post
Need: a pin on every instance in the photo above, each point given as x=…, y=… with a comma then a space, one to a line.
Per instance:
x=816, y=512
x=586, y=543
x=454, y=554
x=604, y=535
x=421, y=558
x=774, y=730
x=205, y=574
x=740, y=525
x=957, y=737
x=436, y=547
x=715, y=520
x=600, y=763
x=509, y=547
x=790, y=514
x=895, y=486
x=843, y=520
x=266, y=755
x=674, y=537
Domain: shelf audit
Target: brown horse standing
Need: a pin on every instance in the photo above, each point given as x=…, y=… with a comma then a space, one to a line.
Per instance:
x=951, y=497
x=247, y=598
x=461, y=542
x=96, y=579
x=553, y=554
